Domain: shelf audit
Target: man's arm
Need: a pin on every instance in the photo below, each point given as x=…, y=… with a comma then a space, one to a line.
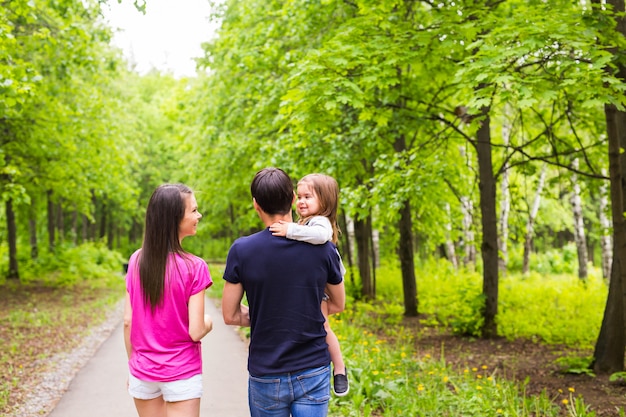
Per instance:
x=336, y=297
x=233, y=311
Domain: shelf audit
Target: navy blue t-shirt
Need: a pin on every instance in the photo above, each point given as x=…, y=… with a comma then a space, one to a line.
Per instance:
x=284, y=283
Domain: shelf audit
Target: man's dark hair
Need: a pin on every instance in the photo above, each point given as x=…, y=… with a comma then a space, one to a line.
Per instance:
x=272, y=189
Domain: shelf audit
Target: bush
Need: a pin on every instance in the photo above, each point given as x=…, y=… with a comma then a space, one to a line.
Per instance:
x=88, y=262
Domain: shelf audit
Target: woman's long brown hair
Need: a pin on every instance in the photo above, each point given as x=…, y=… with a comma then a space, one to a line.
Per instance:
x=165, y=211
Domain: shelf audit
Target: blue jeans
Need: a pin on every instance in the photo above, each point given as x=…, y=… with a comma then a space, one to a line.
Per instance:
x=300, y=394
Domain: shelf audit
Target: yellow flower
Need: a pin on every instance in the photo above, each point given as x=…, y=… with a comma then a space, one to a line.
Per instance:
x=484, y=367
x=465, y=371
x=475, y=369
x=489, y=378
x=427, y=356
x=420, y=387
x=565, y=401
x=479, y=376
x=375, y=372
x=403, y=355
x=445, y=379
x=570, y=389
x=499, y=410
x=560, y=391
x=478, y=387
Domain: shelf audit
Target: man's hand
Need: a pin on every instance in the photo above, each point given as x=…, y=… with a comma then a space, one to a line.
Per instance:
x=279, y=228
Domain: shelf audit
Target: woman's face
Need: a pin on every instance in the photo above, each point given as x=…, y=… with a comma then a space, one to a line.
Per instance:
x=189, y=223
x=308, y=204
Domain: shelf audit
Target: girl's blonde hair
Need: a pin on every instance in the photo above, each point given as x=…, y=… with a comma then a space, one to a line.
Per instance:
x=327, y=191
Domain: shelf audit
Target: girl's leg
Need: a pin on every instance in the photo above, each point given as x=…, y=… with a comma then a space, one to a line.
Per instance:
x=341, y=386
x=334, y=348
x=187, y=408
x=151, y=408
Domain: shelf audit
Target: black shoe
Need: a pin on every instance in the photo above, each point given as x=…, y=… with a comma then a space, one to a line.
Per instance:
x=340, y=384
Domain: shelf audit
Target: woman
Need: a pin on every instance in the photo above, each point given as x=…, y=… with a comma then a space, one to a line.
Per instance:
x=164, y=317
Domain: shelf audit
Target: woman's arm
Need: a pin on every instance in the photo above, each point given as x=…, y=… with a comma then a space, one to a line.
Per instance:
x=199, y=323
x=128, y=319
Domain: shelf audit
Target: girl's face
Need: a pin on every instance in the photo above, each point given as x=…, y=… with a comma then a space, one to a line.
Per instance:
x=308, y=204
x=189, y=223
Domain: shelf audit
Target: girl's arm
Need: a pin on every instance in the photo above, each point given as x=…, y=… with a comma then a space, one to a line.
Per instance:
x=317, y=231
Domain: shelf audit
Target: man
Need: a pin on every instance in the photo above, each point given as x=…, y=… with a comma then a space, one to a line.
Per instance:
x=284, y=281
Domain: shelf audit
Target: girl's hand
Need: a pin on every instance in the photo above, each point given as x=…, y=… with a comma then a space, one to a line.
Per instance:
x=279, y=228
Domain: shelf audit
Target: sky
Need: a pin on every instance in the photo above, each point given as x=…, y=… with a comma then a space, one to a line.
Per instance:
x=167, y=37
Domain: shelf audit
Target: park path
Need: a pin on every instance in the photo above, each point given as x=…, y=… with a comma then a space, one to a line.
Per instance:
x=99, y=388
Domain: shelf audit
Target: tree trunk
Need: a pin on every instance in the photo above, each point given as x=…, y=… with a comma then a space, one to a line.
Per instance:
x=32, y=231
x=60, y=222
x=579, y=225
x=51, y=228
x=405, y=253
x=505, y=203
x=489, y=246
x=75, y=226
x=85, y=228
x=449, y=245
x=467, y=207
x=605, y=225
x=362, y=233
x=608, y=356
x=12, y=236
x=110, y=233
x=530, y=223
x=104, y=220
x=347, y=243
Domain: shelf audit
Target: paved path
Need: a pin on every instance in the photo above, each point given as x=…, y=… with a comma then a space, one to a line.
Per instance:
x=99, y=388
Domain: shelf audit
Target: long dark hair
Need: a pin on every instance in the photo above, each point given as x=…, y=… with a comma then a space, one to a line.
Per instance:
x=165, y=211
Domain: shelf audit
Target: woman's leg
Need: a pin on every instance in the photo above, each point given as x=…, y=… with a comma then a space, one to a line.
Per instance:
x=151, y=408
x=187, y=408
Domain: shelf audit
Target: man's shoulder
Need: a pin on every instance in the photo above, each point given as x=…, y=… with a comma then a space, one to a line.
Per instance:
x=251, y=239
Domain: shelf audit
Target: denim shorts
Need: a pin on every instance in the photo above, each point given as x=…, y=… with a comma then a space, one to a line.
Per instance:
x=301, y=394
x=172, y=391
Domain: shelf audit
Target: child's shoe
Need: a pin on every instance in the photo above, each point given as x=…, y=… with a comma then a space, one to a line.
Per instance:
x=341, y=386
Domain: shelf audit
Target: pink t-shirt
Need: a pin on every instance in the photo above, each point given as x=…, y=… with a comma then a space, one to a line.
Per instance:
x=162, y=348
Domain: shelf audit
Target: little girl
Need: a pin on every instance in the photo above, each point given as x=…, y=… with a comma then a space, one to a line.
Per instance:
x=318, y=198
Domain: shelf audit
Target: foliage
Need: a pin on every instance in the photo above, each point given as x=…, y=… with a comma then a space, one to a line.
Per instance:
x=541, y=307
x=87, y=264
